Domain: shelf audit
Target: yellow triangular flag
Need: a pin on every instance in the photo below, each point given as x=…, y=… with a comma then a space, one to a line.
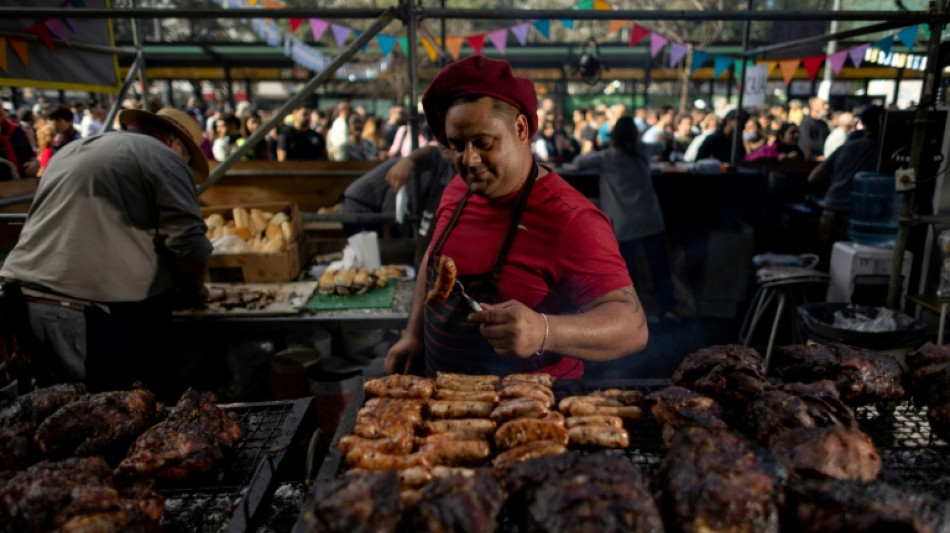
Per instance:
x=3, y=54
x=616, y=25
x=430, y=49
x=19, y=46
x=788, y=69
x=454, y=45
x=602, y=5
x=252, y=3
x=771, y=64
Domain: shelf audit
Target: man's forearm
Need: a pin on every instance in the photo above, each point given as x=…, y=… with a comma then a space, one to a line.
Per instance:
x=609, y=330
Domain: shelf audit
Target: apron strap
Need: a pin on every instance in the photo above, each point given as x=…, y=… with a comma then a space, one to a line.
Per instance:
x=437, y=249
x=516, y=219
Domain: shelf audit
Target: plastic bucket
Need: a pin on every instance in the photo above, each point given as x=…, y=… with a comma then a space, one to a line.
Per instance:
x=874, y=208
x=817, y=326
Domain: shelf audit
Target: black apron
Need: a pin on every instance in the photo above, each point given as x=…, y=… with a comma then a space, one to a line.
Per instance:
x=452, y=343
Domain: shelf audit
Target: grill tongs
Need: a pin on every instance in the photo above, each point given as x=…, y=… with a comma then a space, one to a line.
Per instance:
x=468, y=299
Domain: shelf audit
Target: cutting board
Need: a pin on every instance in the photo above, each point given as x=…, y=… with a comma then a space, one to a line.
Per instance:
x=289, y=299
x=378, y=298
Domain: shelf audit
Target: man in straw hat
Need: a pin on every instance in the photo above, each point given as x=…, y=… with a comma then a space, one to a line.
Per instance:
x=113, y=241
x=541, y=259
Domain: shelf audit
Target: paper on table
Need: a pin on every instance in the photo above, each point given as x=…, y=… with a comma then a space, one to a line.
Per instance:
x=365, y=246
x=402, y=204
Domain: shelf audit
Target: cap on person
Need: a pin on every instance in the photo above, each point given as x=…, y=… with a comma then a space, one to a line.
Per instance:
x=184, y=126
x=478, y=76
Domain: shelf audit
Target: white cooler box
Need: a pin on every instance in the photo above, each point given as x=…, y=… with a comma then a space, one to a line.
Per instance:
x=850, y=259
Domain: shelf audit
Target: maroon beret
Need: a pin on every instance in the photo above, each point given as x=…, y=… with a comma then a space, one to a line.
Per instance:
x=478, y=76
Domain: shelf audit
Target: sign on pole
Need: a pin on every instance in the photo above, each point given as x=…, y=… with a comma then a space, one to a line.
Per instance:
x=756, y=80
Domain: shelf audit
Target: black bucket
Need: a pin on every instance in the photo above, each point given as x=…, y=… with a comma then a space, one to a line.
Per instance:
x=817, y=321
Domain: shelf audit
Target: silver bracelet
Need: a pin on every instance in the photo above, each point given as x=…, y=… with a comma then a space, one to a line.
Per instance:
x=545, y=338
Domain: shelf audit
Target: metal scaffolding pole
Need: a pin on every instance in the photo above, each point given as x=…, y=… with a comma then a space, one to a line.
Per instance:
x=737, y=129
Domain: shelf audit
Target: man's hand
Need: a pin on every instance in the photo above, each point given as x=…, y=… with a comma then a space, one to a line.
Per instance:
x=512, y=328
x=400, y=356
x=398, y=175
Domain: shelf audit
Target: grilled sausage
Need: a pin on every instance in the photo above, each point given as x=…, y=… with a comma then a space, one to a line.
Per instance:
x=525, y=452
x=456, y=452
x=414, y=477
x=594, y=420
x=519, y=408
x=484, y=378
x=400, y=386
x=630, y=413
x=444, y=281
x=396, y=445
x=539, y=379
x=528, y=390
x=478, y=425
x=459, y=409
x=625, y=397
x=369, y=459
x=524, y=430
x=445, y=471
x=450, y=435
x=566, y=404
x=466, y=385
x=598, y=437
x=370, y=429
x=472, y=396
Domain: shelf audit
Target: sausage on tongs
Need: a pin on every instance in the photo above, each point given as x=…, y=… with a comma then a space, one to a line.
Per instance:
x=444, y=281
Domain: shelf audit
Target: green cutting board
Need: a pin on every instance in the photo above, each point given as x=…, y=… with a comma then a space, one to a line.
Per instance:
x=378, y=298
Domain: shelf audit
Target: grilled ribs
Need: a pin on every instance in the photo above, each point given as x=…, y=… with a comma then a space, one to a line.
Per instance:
x=732, y=374
x=191, y=441
x=458, y=503
x=930, y=379
x=76, y=494
x=836, y=452
x=862, y=376
x=19, y=420
x=594, y=493
x=359, y=502
x=796, y=405
x=828, y=506
x=97, y=423
x=711, y=480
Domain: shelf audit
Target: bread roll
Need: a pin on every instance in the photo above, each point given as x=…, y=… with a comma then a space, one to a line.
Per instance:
x=288, y=230
x=257, y=222
x=243, y=233
x=241, y=218
x=279, y=219
x=273, y=232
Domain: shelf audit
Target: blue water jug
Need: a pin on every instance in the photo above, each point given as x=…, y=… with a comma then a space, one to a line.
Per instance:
x=874, y=209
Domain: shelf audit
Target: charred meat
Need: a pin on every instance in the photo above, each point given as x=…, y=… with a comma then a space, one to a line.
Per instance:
x=862, y=376
x=194, y=438
x=796, y=405
x=676, y=407
x=458, y=503
x=732, y=374
x=835, y=452
x=930, y=379
x=356, y=503
x=95, y=423
x=19, y=420
x=805, y=362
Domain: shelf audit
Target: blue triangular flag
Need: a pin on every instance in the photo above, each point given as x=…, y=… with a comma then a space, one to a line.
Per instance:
x=885, y=44
x=543, y=26
x=386, y=43
x=722, y=63
x=356, y=35
x=568, y=23
x=908, y=36
x=699, y=59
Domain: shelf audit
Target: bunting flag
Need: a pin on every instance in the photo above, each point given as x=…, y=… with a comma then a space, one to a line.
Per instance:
x=908, y=36
x=789, y=66
x=40, y=31
x=677, y=53
x=812, y=64
x=403, y=44
x=386, y=43
x=318, y=27
x=699, y=59
x=340, y=33
x=657, y=42
x=3, y=54
x=499, y=38
x=477, y=42
x=857, y=54
x=252, y=2
x=430, y=49
x=772, y=65
x=454, y=46
x=637, y=34
x=55, y=26
x=836, y=60
x=71, y=23
x=356, y=35
x=885, y=44
x=568, y=23
x=294, y=23
x=544, y=27
x=19, y=47
x=585, y=5
x=738, y=68
x=721, y=63
x=602, y=5
x=521, y=32
x=925, y=27
x=616, y=25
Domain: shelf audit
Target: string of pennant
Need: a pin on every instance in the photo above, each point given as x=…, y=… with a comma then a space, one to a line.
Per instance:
x=45, y=30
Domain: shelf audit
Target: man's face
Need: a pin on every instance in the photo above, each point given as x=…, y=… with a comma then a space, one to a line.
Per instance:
x=488, y=152
x=302, y=117
x=62, y=125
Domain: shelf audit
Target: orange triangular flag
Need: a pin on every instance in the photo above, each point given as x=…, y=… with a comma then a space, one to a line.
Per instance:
x=616, y=25
x=19, y=46
x=454, y=45
x=602, y=5
x=789, y=67
x=430, y=49
x=812, y=64
x=3, y=54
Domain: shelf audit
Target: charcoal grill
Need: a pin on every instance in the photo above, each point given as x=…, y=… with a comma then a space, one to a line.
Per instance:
x=912, y=456
x=232, y=497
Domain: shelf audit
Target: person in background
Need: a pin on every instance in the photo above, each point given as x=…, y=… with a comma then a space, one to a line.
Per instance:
x=719, y=144
x=76, y=110
x=397, y=118
x=795, y=113
x=44, y=141
x=15, y=147
x=114, y=240
x=628, y=198
x=92, y=121
x=785, y=146
x=339, y=130
x=356, y=148
x=589, y=140
x=614, y=112
x=62, y=119
x=682, y=135
x=27, y=121
x=373, y=132
x=768, y=125
x=709, y=125
x=844, y=125
x=814, y=129
x=840, y=168
x=260, y=152
x=664, y=124
x=541, y=258
x=299, y=141
x=753, y=137
x=553, y=146
x=194, y=113
x=640, y=119
x=228, y=136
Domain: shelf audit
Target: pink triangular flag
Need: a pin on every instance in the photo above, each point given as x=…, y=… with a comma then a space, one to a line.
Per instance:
x=657, y=42
x=836, y=60
x=637, y=34
x=71, y=23
x=55, y=27
x=521, y=32
x=318, y=27
x=857, y=54
x=340, y=33
x=677, y=53
x=500, y=39
x=477, y=42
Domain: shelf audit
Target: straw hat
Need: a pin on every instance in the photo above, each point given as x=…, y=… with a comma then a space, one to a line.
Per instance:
x=183, y=124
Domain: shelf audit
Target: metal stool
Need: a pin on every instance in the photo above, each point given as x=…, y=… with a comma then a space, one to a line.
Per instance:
x=786, y=284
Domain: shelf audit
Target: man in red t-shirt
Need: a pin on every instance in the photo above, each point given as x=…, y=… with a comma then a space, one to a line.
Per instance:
x=541, y=259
